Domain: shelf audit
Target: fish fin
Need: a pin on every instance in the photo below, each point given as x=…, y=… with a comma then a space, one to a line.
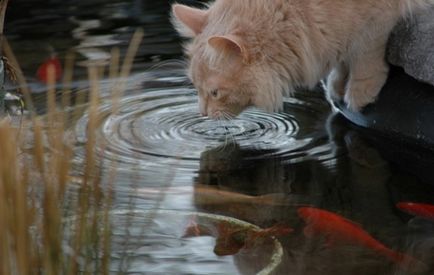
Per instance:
x=309, y=231
x=192, y=229
x=407, y=262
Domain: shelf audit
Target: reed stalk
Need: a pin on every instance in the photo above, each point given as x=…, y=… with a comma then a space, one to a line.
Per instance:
x=50, y=226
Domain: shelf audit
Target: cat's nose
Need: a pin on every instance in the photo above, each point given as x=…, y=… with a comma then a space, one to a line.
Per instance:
x=203, y=111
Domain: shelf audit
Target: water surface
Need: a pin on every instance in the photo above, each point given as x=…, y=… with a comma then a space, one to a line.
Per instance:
x=166, y=154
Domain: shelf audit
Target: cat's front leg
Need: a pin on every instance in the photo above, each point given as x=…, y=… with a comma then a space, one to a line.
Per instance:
x=368, y=73
x=336, y=82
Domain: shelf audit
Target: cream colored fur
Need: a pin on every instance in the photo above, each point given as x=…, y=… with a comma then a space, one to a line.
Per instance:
x=253, y=52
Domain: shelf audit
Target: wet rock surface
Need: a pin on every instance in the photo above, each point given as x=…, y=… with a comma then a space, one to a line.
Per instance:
x=411, y=46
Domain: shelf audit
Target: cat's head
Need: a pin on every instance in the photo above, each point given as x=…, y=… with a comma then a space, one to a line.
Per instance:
x=224, y=62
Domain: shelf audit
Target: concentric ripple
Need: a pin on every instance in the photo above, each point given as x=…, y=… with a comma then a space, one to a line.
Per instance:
x=160, y=129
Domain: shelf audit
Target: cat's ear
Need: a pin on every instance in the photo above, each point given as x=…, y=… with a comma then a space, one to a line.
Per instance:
x=189, y=22
x=230, y=45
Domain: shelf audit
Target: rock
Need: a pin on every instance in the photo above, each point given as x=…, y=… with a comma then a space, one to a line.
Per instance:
x=411, y=46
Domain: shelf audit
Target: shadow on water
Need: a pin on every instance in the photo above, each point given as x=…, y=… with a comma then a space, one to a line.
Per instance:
x=257, y=168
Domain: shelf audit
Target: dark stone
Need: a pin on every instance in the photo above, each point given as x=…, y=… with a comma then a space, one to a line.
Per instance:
x=403, y=111
x=400, y=123
x=411, y=46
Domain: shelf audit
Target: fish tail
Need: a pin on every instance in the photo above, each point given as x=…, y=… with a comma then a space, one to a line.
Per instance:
x=405, y=261
x=394, y=256
x=397, y=257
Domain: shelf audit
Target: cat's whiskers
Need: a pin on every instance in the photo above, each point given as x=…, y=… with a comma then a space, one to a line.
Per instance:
x=220, y=125
x=180, y=64
x=229, y=119
x=176, y=62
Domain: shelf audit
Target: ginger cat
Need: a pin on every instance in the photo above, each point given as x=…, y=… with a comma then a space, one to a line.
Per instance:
x=253, y=52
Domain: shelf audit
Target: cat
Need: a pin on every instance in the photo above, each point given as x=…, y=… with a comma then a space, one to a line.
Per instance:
x=246, y=53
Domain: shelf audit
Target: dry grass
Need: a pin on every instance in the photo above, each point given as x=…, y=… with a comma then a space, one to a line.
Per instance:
x=48, y=225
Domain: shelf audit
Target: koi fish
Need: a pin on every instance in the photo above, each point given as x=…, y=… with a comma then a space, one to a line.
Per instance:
x=231, y=239
x=43, y=69
x=208, y=195
x=422, y=210
x=338, y=229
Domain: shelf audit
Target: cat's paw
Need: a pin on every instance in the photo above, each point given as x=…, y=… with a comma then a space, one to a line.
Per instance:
x=361, y=94
x=368, y=73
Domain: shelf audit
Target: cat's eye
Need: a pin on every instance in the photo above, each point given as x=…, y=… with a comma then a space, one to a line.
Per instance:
x=214, y=93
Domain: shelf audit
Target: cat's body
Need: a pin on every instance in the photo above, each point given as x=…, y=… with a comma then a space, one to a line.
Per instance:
x=252, y=52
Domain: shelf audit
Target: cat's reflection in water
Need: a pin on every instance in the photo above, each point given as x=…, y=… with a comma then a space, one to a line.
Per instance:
x=354, y=183
x=255, y=186
x=267, y=186
x=271, y=188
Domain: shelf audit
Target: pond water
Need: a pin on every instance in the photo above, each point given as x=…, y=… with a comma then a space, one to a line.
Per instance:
x=259, y=168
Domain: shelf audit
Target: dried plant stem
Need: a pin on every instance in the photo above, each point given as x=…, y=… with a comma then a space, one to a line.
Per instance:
x=114, y=64
x=3, y=7
x=92, y=122
x=126, y=68
x=6, y=177
x=34, y=190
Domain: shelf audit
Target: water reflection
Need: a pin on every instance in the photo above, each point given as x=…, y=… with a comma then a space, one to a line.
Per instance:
x=356, y=183
x=154, y=242
x=160, y=131
x=168, y=157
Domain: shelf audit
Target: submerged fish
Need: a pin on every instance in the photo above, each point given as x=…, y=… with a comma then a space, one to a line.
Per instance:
x=422, y=210
x=209, y=195
x=194, y=229
x=338, y=229
x=205, y=194
x=231, y=239
x=43, y=70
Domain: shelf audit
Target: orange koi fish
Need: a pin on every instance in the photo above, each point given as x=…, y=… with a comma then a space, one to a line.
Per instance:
x=339, y=229
x=43, y=70
x=422, y=210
